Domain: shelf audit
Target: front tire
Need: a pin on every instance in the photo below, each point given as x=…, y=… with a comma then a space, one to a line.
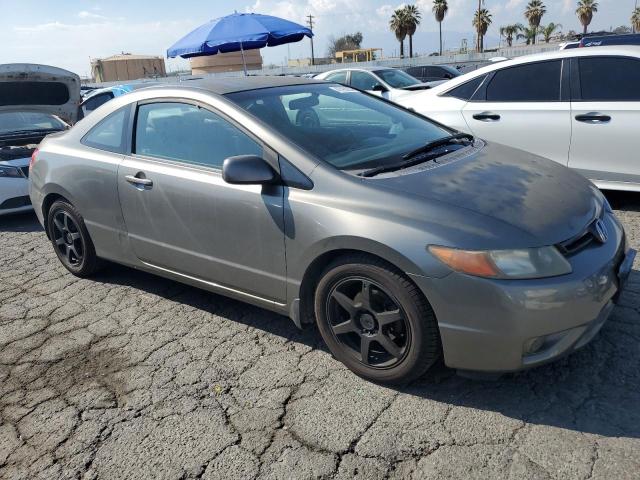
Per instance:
x=71, y=240
x=375, y=321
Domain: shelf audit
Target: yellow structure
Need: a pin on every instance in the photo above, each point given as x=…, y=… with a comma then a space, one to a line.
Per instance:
x=359, y=55
x=127, y=67
x=226, y=62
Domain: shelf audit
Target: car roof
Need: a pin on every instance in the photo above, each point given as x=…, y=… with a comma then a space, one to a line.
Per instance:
x=363, y=68
x=224, y=85
x=612, y=50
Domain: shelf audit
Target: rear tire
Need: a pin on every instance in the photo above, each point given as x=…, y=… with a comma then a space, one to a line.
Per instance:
x=375, y=321
x=71, y=240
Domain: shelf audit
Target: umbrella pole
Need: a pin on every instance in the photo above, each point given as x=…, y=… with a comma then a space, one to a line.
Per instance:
x=244, y=63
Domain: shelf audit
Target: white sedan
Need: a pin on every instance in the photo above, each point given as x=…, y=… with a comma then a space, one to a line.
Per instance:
x=389, y=83
x=579, y=107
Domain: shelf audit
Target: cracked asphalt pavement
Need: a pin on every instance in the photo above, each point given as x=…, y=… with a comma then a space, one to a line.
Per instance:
x=132, y=376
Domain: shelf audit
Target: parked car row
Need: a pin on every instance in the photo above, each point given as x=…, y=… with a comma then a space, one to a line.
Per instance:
x=389, y=83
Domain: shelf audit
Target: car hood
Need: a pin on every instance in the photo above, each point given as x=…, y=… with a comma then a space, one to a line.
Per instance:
x=39, y=88
x=541, y=198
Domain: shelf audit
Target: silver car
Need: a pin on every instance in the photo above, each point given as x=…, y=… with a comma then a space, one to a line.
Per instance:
x=402, y=239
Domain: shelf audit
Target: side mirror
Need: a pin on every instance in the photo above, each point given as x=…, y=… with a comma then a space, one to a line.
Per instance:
x=247, y=170
x=379, y=88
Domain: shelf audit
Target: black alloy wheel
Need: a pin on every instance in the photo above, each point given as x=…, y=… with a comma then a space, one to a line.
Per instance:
x=71, y=240
x=67, y=238
x=368, y=321
x=375, y=320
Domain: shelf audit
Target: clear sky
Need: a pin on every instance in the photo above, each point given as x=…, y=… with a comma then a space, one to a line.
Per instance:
x=67, y=33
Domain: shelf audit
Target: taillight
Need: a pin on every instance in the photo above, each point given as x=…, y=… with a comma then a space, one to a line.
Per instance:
x=33, y=158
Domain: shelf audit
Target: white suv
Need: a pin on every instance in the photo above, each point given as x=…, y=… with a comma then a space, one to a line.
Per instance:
x=579, y=107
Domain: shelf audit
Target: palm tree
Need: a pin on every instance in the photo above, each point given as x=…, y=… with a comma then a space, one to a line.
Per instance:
x=635, y=20
x=398, y=26
x=585, y=11
x=510, y=32
x=440, y=9
x=481, y=21
x=549, y=30
x=534, y=12
x=529, y=34
x=412, y=17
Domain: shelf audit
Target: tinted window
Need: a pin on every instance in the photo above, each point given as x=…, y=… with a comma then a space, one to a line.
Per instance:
x=109, y=134
x=415, y=71
x=21, y=121
x=338, y=77
x=466, y=90
x=432, y=72
x=610, y=79
x=190, y=134
x=535, y=82
x=397, y=78
x=363, y=80
x=94, y=102
x=33, y=93
x=347, y=128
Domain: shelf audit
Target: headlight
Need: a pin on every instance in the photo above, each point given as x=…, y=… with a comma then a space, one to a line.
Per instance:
x=504, y=264
x=10, y=172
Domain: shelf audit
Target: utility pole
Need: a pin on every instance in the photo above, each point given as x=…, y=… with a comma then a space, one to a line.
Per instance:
x=636, y=8
x=310, y=23
x=478, y=26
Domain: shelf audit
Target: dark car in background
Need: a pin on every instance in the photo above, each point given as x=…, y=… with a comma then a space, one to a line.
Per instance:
x=433, y=73
x=604, y=40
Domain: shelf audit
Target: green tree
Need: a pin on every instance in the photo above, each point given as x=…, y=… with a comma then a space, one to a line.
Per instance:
x=398, y=25
x=412, y=17
x=585, y=11
x=534, y=12
x=529, y=34
x=635, y=20
x=440, y=9
x=510, y=32
x=481, y=21
x=549, y=30
x=350, y=41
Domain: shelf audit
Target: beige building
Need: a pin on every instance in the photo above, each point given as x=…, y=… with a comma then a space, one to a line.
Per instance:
x=127, y=67
x=226, y=62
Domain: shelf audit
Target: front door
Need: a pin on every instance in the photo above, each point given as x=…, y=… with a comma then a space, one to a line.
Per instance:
x=182, y=217
x=606, y=119
x=522, y=107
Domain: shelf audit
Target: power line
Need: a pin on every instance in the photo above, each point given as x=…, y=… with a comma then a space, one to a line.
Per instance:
x=310, y=23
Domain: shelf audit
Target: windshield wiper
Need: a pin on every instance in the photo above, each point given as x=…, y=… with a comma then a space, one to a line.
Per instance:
x=32, y=131
x=438, y=143
x=411, y=158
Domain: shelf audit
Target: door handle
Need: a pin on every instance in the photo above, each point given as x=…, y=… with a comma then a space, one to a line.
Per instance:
x=145, y=182
x=593, y=118
x=487, y=117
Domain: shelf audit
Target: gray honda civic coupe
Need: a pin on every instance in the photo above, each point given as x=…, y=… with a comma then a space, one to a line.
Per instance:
x=402, y=239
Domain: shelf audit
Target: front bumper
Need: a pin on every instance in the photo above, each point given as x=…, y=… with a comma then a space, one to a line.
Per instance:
x=508, y=325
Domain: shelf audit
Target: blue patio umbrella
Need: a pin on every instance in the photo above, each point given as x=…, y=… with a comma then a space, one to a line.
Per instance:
x=238, y=32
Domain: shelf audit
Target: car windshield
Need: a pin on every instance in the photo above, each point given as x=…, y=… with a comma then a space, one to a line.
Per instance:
x=397, y=78
x=346, y=128
x=11, y=122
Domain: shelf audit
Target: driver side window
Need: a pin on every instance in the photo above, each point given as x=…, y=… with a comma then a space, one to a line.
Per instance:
x=363, y=81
